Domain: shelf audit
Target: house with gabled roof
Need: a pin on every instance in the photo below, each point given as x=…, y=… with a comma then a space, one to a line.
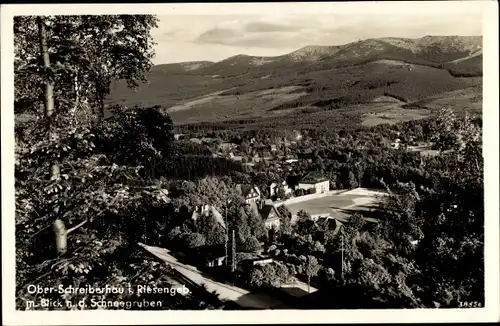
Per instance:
x=270, y=216
x=209, y=255
x=315, y=180
x=250, y=193
x=329, y=224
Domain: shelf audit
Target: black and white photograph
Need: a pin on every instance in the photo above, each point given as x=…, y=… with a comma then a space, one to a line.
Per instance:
x=242, y=157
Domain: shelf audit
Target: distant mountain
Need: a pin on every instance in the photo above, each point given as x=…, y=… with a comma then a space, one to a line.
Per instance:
x=428, y=50
x=361, y=73
x=312, y=53
x=447, y=43
x=432, y=48
x=182, y=66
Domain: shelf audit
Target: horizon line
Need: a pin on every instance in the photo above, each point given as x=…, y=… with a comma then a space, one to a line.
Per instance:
x=333, y=45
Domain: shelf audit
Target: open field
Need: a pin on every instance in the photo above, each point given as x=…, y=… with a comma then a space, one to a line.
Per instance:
x=468, y=99
x=337, y=205
x=379, y=113
x=220, y=106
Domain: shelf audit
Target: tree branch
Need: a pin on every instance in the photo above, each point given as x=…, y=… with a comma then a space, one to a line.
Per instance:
x=76, y=227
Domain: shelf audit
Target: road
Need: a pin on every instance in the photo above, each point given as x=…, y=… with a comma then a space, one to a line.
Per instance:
x=242, y=297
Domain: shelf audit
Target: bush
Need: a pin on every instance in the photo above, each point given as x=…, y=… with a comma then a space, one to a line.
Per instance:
x=300, y=192
x=195, y=240
x=252, y=244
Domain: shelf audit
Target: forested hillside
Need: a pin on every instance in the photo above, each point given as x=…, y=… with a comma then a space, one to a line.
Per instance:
x=313, y=81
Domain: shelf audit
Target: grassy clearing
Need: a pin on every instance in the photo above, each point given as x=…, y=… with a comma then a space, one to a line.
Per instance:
x=392, y=113
x=323, y=205
x=468, y=99
x=340, y=205
x=226, y=107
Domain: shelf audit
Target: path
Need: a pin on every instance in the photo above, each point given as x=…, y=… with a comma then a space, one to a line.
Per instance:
x=242, y=297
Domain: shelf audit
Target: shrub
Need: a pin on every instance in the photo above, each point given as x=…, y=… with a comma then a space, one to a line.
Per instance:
x=252, y=244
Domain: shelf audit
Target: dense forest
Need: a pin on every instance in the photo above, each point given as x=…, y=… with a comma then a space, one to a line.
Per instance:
x=88, y=188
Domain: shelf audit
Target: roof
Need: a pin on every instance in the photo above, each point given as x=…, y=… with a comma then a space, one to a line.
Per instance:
x=211, y=251
x=209, y=208
x=246, y=189
x=266, y=211
x=313, y=177
x=329, y=223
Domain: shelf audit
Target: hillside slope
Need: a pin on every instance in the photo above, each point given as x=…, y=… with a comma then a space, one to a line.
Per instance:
x=311, y=79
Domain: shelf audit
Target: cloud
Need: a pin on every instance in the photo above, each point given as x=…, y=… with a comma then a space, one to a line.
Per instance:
x=269, y=39
x=265, y=27
x=256, y=34
x=170, y=35
x=218, y=36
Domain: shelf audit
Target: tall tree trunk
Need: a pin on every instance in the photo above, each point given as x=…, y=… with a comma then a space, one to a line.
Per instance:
x=44, y=52
x=49, y=86
x=61, y=235
x=58, y=227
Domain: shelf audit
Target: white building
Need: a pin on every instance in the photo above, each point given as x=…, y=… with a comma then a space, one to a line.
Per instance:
x=315, y=180
x=273, y=188
x=250, y=193
x=270, y=216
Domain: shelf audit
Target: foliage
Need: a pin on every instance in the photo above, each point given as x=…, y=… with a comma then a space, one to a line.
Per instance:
x=256, y=277
x=212, y=231
x=303, y=215
x=285, y=220
x=86, y=53
x=195, y=240
x=251, y=244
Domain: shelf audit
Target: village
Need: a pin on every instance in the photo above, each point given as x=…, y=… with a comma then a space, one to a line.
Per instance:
x=227, y=267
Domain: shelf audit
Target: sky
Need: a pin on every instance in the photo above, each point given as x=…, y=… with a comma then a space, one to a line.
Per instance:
x=216, y=37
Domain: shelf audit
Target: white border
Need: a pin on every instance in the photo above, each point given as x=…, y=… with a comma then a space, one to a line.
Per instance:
x=489, y=10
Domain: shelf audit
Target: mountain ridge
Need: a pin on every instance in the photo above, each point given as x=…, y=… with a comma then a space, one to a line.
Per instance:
x=469, y=44
x=343, y=83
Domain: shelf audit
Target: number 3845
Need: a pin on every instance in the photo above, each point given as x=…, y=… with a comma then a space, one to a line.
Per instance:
x=469, y=304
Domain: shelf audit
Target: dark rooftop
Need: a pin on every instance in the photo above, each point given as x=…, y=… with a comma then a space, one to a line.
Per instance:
x=266, y=210
x=313, y=177
x=211, y=251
